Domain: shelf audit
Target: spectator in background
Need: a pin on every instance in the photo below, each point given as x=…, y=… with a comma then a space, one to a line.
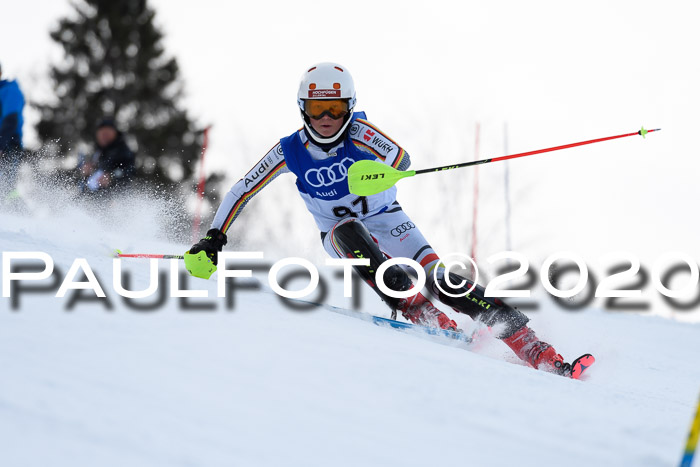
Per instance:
x=112, y=164
x=11, y=121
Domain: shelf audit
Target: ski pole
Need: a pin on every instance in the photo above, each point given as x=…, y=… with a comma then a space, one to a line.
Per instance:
x=367, y=177
x=199, y=264
x=119, y=254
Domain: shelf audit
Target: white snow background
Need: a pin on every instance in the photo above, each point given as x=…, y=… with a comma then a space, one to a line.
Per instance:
x=259, y=384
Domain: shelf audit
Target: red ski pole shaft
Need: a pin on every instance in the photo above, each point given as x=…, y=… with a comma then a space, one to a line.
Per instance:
x=572, y=145
x=147, y=255
x=641, y=132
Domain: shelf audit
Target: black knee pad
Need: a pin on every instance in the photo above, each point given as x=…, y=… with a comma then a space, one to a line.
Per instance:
x=506, y=319
x=355, y=241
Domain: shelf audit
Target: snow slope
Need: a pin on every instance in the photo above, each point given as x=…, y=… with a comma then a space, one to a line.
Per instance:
x=261, y=385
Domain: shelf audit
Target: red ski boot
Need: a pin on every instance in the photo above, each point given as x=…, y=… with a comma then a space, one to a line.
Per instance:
x=537, y=353
x=419, y=310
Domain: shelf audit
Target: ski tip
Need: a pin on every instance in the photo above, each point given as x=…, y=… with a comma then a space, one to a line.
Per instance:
x=581, y=364
x=116, y=253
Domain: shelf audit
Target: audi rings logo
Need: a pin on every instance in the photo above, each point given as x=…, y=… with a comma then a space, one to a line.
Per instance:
x=402, y=228
x=327, y=176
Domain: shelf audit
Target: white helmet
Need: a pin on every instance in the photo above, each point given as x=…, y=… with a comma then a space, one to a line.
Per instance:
x=326, y=81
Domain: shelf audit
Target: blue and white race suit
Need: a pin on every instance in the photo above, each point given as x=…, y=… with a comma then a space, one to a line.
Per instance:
x=321, y=178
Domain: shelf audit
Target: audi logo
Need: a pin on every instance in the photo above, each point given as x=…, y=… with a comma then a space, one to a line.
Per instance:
x=327, y=176
x=402, y=228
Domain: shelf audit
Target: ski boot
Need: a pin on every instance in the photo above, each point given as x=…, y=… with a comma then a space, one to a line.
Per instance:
x=419, y=310
x=533, y=351
x=542, y=356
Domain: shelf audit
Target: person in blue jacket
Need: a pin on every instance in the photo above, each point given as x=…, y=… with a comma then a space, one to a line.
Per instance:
x=11, y=121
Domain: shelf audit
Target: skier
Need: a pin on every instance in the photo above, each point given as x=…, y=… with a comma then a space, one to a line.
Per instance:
x=11, y=121
x=334, y=136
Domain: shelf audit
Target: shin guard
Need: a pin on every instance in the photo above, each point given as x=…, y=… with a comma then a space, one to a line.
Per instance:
x=490, y=311
x=354, y=241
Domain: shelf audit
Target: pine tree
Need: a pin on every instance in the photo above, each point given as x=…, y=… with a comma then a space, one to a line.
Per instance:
x=115, y=65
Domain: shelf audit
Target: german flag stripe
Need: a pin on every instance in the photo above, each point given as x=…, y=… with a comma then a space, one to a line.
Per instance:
x=370, y=148
x=247, y=196
x=429, y=259
x=399, y=158
x=334, y=244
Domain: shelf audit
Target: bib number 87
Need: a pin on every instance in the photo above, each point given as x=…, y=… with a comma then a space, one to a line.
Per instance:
x=345, y=211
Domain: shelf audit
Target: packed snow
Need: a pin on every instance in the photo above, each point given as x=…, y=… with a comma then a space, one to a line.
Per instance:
x=253, y=382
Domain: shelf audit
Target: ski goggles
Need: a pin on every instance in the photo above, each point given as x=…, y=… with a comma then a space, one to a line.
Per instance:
x=335, y=108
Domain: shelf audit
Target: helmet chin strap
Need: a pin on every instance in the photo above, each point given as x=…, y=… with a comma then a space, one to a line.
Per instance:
x=331, y=140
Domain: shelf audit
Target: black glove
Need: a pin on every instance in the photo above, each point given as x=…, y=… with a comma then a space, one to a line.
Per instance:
x=211, y=244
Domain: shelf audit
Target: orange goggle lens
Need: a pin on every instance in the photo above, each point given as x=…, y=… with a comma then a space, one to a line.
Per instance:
x=336, y=108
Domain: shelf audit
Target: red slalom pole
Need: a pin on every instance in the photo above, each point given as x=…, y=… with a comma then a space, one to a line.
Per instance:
x=475, y=210
x=200, y=188
x=641, y=132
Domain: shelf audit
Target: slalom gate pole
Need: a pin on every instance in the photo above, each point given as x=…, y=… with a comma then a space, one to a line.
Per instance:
x=200, y=188
x=692, y=443
x=475, y=208
x=506, y=182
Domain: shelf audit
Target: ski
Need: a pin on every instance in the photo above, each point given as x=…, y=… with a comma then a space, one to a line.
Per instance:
x=445, y=335
x=575, y=371
x=468, y=341
x=456, y=335
x=580, y=365
x=410, y=328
